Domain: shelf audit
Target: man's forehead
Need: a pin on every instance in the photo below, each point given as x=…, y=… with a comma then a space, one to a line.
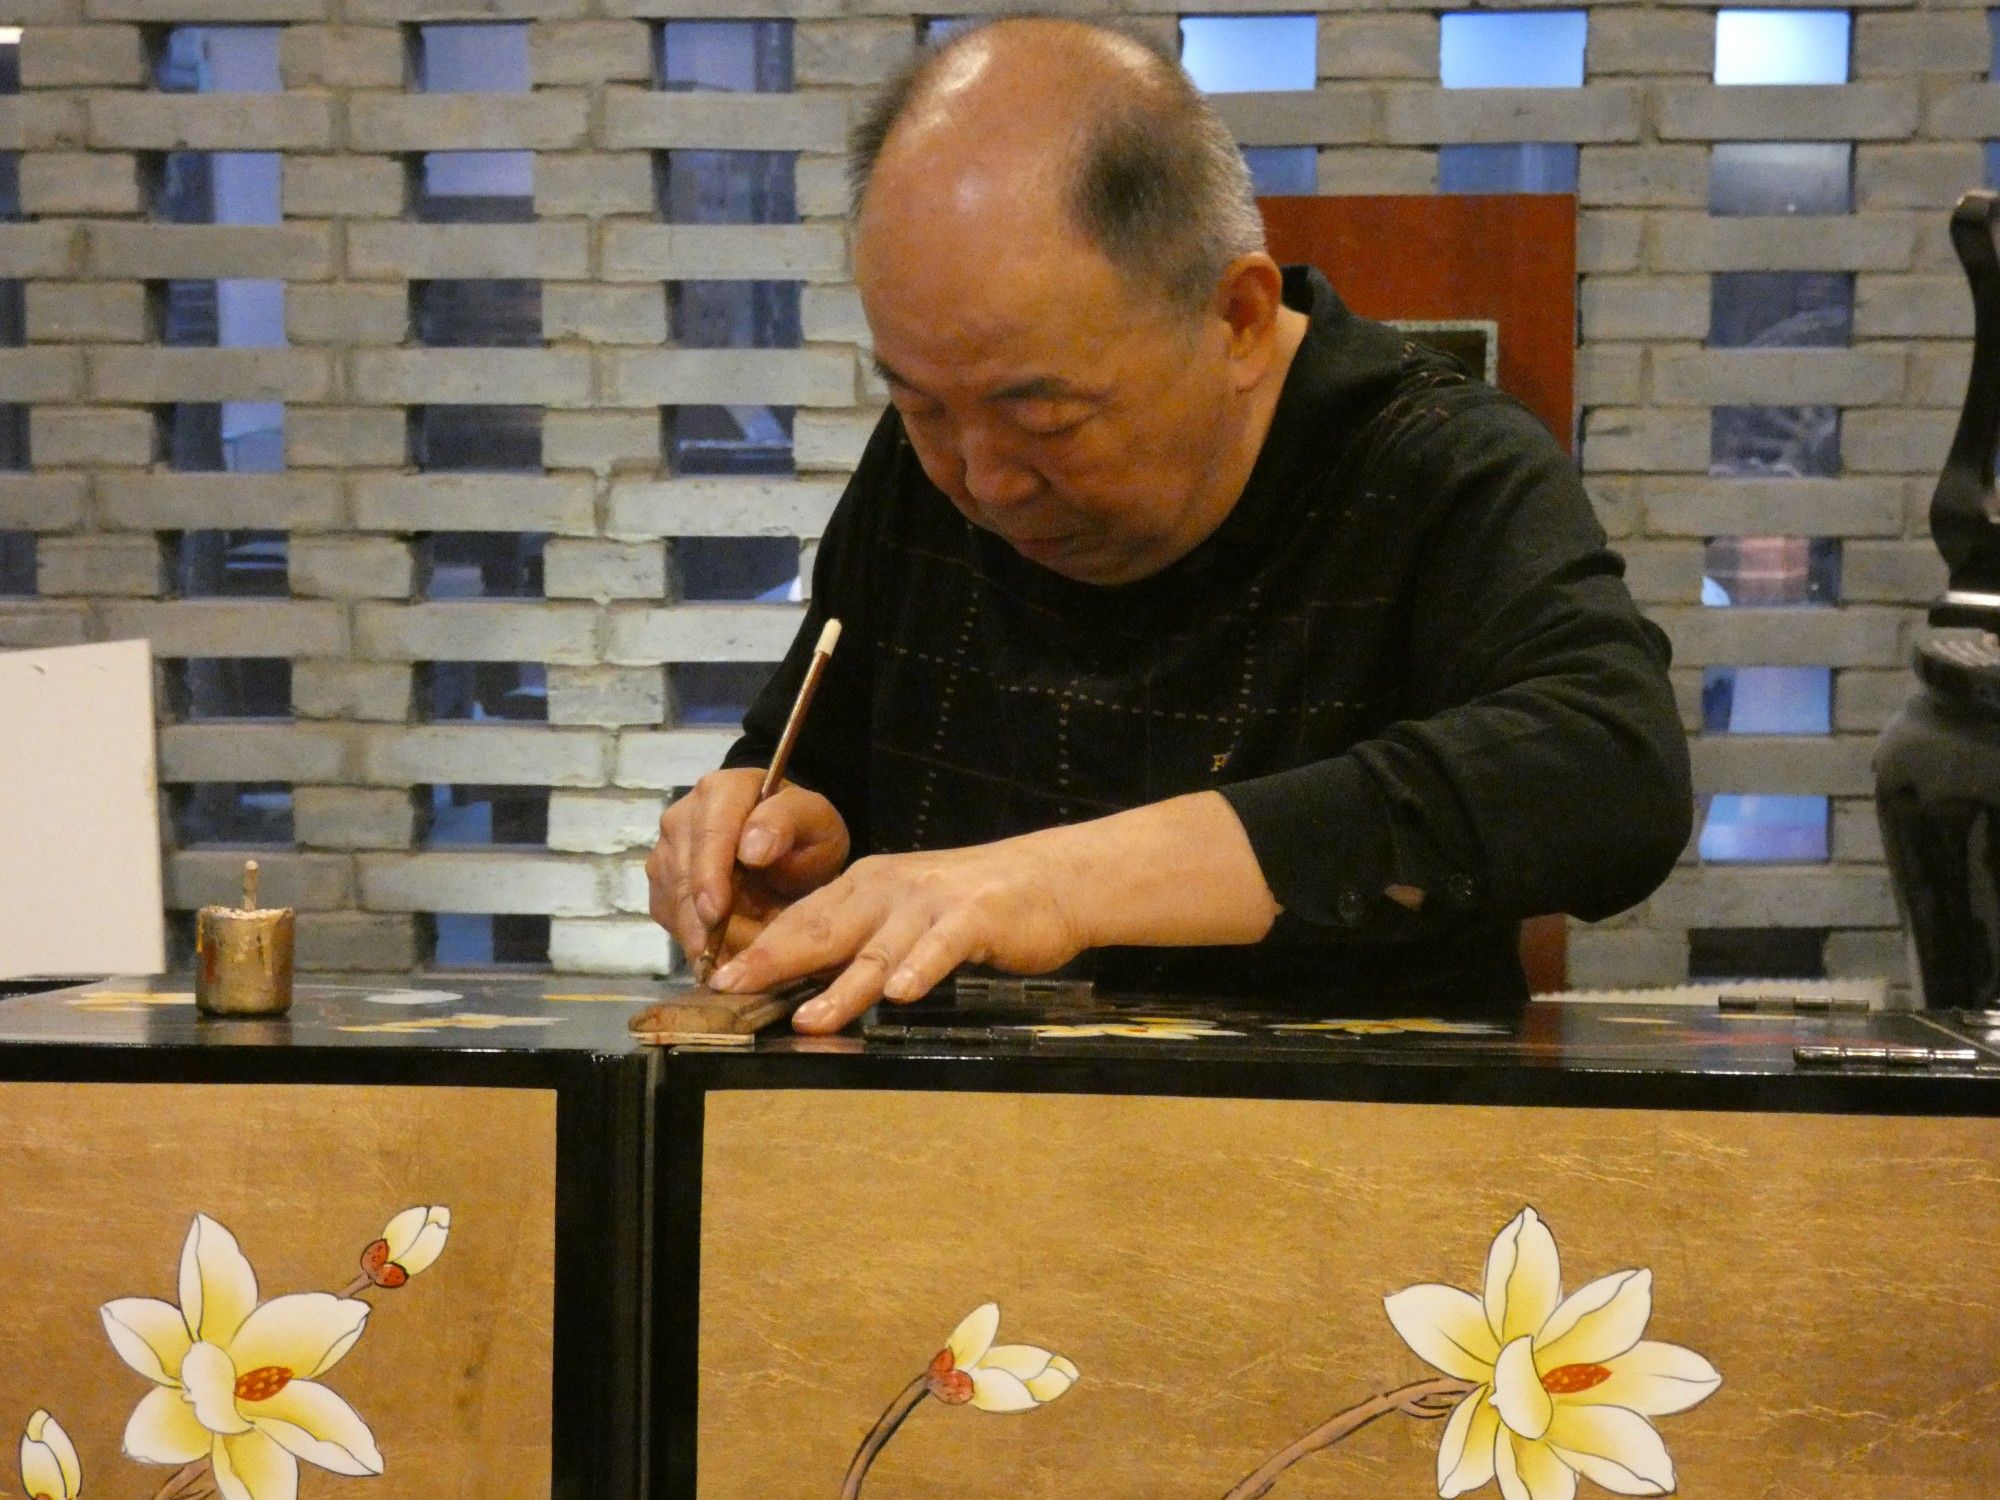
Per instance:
x=1001, y=384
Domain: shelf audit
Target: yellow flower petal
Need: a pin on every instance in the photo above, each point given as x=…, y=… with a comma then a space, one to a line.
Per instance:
x=1052, y=1382
x=1523, y=1278
x=210, y=1381
x=253, y=1467
x=428, y=1243
x=1465, y=1453
x=1023, y=1361
x=162, y=1430
x=305, y=1332
x=53, y=1445
x=218, y=1288
x=1446, y=1328
x=149, y=1335
x=1540, y=1471
x=1654, y=1380
x=1598, y=1322
x=974, y=1336
x=1505, y=1471
x=996, y=1390
x=1517, y=1390
x=310, y=1422
x=1612, y=1447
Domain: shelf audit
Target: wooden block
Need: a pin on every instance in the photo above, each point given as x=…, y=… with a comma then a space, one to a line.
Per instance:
x=706, y=1014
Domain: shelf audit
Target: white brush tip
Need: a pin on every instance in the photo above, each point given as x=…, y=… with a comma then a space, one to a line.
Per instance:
x=827, y=637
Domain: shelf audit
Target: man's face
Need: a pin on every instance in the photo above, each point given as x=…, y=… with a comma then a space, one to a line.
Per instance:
x=1049, y=404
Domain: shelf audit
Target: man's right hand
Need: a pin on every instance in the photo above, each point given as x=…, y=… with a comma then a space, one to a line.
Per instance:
x=792, y=843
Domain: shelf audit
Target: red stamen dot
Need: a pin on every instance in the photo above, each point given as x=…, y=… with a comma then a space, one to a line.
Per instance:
x=262, y=1384
x=1566, y=1380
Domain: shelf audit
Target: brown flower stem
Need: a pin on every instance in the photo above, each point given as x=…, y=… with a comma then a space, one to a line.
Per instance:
x=355, y=1287
x=183, y=1481
x=1426, y=1400
x=879, y=1435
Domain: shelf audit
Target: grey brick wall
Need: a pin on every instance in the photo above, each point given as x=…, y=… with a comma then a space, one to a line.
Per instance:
x=89, y=122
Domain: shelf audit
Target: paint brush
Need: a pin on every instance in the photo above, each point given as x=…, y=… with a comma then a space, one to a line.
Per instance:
x=773, y=779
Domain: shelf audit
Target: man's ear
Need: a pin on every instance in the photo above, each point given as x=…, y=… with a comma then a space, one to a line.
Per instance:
x=1248, y=298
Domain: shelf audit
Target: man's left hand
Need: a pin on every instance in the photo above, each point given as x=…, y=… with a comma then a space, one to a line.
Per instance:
x=895, y=925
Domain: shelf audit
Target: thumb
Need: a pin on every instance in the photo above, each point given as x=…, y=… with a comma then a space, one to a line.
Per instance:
x=796, y=836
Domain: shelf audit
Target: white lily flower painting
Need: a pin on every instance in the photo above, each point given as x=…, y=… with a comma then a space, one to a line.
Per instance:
x=49, y=1467
x=1562, y=1387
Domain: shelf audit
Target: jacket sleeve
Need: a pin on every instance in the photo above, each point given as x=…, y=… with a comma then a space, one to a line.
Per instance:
x=1546, y=769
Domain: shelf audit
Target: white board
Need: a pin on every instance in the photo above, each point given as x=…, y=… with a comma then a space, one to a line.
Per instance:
x=79, y=813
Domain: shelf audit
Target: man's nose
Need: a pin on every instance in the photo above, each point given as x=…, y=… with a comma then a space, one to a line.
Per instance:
x=995, y=477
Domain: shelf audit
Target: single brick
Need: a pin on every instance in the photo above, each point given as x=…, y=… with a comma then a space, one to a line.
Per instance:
x=1435, y=115
x=355, y=187
x=605, y=314
x=721, y=507
x=352, y=941
x=467, y=630
x=39, y=249
x=365, y=691
x=1773, y=507
x=155, y=374
x=1376, y=169
x=788, y=377
x=603, y=822
x=1927, y=175
x=41, y=502
x=1649, y=42
x=26, y=625
x=1931, y=41
x=1803, y=377
x=586, y=53
x=855, y=53
x=702, y=632
x=615, y=945
x=607, y=697
x=474, y=502
x=1864, y=701
x=593, y=183
x=147, y=121
x=822, y=186
x=58, y=57
x=108, y=565
x=547, y=120
x=1863, y=242
x=203, y=11
x=1939, y=374
x=277, y=252
x=601, y=441
x=342, y=57
x=1891, y=572
x=1890, y=440
x=233, y=627
x=1377, y=46
x=1643, y=176
x=506, y=376
x=481, y=882
x=319, y=437
x=603, y=571
x=79, y=182
x=1334, y=115
x=1624, y=440
x=1785, y=112
x=347, y=313
x=1853, y=897
x=461, y=10
x=46, y=374
x=108, y=312
x=87, y=436
x=1857, y=836
x=1610, y=375
x=1644, y=307
x=1971, y=109
x=1854, y=637
x=1663, y=572
x=831, y=440
x=1912, y=307
x=654, y=120
x=351, y=567
x=670, y=758
x=723, y=252
x=258, y=752
x=347, y=817
x=1783, y=764
x=401, y=252
x=482, y=754
x=214, y=877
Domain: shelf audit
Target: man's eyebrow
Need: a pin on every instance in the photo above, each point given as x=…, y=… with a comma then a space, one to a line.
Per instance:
x=1035, y=388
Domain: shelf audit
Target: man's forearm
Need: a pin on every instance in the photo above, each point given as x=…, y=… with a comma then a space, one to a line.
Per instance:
x=1169, y=874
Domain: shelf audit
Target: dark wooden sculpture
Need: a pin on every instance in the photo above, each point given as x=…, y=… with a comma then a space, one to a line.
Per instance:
x=1937, y=768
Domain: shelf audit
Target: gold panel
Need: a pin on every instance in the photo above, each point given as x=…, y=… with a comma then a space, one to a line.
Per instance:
x=1217, y=1271
x=102, y=1182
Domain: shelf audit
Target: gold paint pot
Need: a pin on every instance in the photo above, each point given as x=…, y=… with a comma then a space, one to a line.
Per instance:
x=243, y=956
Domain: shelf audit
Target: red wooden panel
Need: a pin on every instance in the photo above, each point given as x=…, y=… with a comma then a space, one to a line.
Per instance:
x=1511, y=258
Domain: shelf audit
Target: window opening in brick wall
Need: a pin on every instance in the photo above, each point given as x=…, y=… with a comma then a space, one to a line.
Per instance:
x=1788, y=442
x=242, y=437
x=479, y=692
x=739, y=57
x=472, y=187
x=1781, y=177
x=933, y=30
x=1250, y=54
x=481, y=564
x=466, y=816
x=1992, y=178
x=451, y=439
x=485, y=314
x=216, y=59
x=737, y=569
x=17, y=564
x=1531, y=167
x=727, y=187
x=735, y=314
x=1781, y=310
x=1757, y=953
x=202, y=689
x=1993, y=47
x=228, y=564
x=1764, y=828
x=472, y=57
x=13, y=414
x=1763, y=571
x=1782, y=46
x=232, y=813
x=461, y=940
x=1539, y=49
x=10, y=161
x=733, y=439
x=714, y=692
x=1767, y=700
x=1280, y=170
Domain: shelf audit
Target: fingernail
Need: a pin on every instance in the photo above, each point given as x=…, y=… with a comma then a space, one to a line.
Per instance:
x=707, y=908
x=813, y=1013
x=756, y=846
x=902, y=984
x=727, y=977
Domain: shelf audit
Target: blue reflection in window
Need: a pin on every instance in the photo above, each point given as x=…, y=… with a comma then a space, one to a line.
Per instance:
x=1767, y=700
x=1524, y=50
x=1782, y=46
x=1531, y=167
x=1764, y=829
x=1250, y=54
x=1276, y=170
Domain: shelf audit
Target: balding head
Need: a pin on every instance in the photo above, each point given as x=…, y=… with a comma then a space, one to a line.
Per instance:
x=1073, y=126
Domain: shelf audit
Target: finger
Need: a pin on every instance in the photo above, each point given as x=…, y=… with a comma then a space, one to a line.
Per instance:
x=797, y=838
x=818, y=933
x=722, y=800
x=860, y=983
x=669, y=896
x=948, y=943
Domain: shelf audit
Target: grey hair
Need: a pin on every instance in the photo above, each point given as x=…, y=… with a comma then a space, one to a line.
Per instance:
x=1157, y=183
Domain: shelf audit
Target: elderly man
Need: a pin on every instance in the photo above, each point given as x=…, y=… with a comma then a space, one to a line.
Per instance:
x=1187, y=616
